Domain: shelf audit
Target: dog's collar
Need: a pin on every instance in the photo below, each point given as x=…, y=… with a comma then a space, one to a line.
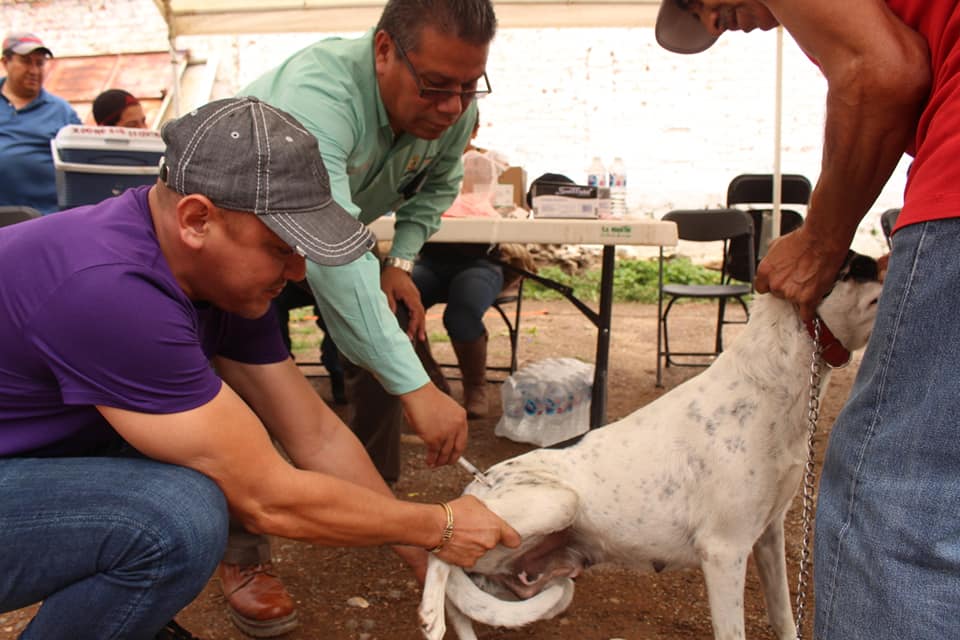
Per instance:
x=831, y=350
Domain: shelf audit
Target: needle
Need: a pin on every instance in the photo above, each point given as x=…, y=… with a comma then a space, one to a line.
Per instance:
x=476, y=473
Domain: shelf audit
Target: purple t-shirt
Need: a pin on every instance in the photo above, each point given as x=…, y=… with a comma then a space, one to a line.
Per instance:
x=90, y=314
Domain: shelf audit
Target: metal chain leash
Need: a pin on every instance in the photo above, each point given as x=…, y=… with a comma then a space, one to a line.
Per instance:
x=813, y=414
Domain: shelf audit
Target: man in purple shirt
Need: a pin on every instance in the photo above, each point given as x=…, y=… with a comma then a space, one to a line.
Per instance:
x=121, y=448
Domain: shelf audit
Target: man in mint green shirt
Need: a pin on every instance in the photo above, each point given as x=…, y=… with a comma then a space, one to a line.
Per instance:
x=388, y=110
x=335, y=94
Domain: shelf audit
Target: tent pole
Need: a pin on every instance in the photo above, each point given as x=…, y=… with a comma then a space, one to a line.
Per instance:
x=777, y=146
x=171, y=40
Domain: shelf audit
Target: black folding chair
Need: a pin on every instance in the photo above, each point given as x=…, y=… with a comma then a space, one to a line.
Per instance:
x=11, y=214
x=755, y=190
x=888, y=220
x=704, y=225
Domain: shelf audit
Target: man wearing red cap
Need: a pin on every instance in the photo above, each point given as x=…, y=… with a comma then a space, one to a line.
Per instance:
x=29, y=119
x=887, y=553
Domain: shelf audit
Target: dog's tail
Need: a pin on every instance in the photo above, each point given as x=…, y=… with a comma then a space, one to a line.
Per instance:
x=483, y=607
x=433, y=622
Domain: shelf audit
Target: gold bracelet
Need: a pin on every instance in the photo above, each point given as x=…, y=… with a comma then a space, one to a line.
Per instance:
x=447, y=530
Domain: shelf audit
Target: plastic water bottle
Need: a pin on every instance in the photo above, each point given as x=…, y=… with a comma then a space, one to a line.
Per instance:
x=597, y=173
x=618, y=188
x=513, y=401
x=555, y=402
x=597, y=177
x=533, y=404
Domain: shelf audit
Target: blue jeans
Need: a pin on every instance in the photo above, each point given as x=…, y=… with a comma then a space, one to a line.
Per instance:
x=468, y=288
x=887, y=550
x=114, y=546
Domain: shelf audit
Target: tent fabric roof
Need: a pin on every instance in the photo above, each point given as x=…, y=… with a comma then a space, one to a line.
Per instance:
x=209, y=17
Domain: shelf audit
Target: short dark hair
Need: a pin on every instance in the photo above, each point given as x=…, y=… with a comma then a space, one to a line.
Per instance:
x=109, y=106
x=473, y=21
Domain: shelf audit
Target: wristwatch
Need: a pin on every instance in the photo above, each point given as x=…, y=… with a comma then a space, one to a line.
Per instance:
x=400, y=263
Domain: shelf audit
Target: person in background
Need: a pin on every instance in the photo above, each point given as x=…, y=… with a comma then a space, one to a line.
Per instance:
x=463, y=276
x=887, y=550
x=30, y=118
x=392, y=111
x=129, y=433
x=118, y=108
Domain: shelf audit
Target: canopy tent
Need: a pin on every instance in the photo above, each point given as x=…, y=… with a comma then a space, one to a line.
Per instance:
x=209, y=17
x=216, y=17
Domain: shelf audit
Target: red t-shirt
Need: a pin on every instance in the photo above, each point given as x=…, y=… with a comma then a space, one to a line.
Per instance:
x=933, y=183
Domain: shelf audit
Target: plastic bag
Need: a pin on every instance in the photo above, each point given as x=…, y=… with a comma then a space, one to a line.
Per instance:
x=546, y=402
x=479, y=188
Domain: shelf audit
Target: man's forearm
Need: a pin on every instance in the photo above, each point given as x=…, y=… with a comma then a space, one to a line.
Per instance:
x=878, y=77
x=865, y=137
x=365, y=330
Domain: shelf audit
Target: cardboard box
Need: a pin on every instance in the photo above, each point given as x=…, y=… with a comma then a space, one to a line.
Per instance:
x=564, y=200
x=512, y=190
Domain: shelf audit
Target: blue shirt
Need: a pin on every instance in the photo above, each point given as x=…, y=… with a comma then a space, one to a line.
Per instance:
x=26, y=164
x=331, y=87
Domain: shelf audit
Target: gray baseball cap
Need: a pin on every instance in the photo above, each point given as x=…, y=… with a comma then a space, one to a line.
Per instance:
x=246, y=155
x=680, y=31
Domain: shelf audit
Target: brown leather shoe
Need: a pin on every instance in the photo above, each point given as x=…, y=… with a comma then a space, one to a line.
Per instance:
x=257, y=601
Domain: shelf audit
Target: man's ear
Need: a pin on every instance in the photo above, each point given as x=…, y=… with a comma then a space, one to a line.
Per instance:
x=195, y=215
x=382, y=46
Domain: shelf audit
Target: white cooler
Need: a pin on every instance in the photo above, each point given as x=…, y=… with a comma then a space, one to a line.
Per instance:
x=95, y=163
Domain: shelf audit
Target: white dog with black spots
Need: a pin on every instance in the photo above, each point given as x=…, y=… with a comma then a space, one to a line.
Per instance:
x=698, y=478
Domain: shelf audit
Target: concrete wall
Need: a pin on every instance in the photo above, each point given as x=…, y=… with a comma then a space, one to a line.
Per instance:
x=684, y=125
x=88, y=27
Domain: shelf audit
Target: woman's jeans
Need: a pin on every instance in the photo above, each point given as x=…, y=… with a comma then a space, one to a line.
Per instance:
x=113, y=546
x=887, y=545
x=468, y=288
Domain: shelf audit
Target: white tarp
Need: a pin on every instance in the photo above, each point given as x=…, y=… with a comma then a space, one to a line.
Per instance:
x=212, y=17
x=208, y=17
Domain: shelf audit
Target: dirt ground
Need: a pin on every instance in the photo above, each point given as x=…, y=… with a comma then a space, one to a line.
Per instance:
x=367, y=594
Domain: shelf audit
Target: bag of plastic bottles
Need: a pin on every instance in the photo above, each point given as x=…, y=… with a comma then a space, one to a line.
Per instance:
x=546, y=402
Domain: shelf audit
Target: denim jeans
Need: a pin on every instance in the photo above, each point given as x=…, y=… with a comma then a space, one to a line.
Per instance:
x=469, y=289
x=113, y=546
x=887, y=545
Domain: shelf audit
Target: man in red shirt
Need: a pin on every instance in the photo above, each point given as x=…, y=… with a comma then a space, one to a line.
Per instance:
x=887, y=553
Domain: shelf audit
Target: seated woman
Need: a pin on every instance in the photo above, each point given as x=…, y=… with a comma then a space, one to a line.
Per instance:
x=119, y=108
x=463, y=276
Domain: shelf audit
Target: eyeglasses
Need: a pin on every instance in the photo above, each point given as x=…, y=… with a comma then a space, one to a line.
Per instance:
x=436, y=95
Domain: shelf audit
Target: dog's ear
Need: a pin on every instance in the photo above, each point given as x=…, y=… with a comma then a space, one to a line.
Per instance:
x=859, y=268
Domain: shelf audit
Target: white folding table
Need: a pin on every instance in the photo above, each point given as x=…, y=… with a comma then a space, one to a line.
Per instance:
x=608, y=233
